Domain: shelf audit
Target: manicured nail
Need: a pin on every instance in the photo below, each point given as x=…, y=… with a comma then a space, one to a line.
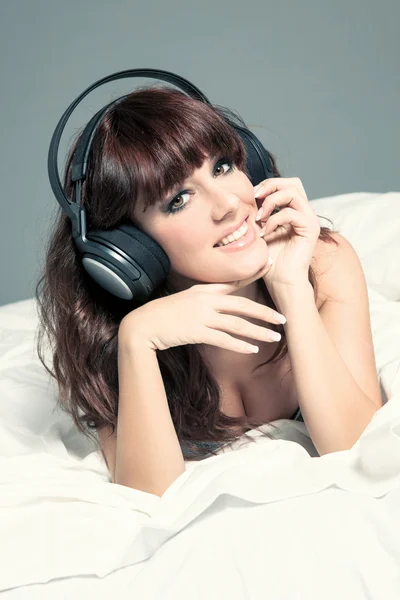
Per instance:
x=262, y=232
x=270, y=261
x=258, y=216
x=256, y=190
x=252, y=348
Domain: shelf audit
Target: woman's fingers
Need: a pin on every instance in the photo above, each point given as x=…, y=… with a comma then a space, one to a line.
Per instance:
x=227, y=342
x=238, y=326
x=287, y=216
x=248, y=308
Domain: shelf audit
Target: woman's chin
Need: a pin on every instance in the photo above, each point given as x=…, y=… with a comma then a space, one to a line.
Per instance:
x=251, y=262
x=234, y=267
x=237, y=273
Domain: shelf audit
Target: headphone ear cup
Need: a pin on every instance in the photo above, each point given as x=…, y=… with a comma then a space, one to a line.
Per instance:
x=258, y=164
x=128, y=263
x=125, y=262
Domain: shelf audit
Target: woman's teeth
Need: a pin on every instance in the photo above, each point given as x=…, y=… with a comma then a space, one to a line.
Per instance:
x=235, y=235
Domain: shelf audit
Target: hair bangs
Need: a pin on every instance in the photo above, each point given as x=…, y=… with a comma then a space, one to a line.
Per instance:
x=164, y=135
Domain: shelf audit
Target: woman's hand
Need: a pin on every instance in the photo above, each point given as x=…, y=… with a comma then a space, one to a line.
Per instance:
x=202, y=314
x=291, y=234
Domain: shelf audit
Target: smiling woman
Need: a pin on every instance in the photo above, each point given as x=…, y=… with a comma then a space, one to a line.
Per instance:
x=158, y=374
x=218, y=201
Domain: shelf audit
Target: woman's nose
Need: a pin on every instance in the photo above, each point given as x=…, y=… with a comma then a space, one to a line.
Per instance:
x=224, y=202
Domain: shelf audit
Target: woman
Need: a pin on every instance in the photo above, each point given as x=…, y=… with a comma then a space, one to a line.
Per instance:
x=177, y=374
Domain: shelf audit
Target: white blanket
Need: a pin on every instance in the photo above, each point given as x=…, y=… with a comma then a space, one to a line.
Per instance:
x=260, y=520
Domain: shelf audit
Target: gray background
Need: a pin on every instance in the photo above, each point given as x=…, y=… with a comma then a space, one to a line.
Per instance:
x=317, y=81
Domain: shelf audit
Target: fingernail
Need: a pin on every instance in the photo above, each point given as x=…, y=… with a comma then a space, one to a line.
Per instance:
x=256, y=190
x=262, y=232
x=258, y=216
x=270, y=261
x=252, y=348
x=275, y=335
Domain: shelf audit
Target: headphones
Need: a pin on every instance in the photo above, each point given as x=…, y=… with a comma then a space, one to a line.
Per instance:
x=124, y=261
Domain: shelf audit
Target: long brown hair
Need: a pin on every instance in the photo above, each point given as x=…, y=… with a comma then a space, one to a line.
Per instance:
x=146, y=144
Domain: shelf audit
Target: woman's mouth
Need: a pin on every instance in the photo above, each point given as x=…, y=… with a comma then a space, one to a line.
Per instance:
x=246, y=237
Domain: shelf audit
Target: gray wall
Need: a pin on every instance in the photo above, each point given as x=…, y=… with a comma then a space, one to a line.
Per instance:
x=317, y=81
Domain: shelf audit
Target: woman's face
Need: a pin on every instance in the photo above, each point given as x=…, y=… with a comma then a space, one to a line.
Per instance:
x=216, y=199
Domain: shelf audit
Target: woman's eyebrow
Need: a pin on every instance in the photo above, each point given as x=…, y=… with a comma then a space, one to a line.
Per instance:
x=172, y=191
x=178, y=186
x=175, y=188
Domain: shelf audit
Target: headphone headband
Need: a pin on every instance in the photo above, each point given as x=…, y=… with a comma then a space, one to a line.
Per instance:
x=70, y=207
x=124, y=261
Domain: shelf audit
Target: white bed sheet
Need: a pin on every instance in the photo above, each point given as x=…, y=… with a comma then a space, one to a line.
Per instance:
x=269, y=519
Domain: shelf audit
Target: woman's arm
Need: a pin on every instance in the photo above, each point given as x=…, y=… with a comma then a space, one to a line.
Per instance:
x=331, y=351
x=147, y=452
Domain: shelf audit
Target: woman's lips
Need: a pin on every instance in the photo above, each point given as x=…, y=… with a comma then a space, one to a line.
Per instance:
x=243, y=222
x=243, y=242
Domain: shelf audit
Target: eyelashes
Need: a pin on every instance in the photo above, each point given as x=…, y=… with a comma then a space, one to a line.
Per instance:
x=173, y=210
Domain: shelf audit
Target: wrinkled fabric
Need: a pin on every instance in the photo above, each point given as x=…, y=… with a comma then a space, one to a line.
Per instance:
x=266, y=518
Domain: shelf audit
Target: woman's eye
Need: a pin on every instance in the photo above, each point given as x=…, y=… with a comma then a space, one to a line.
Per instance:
x=227, y=162
x=172, y=208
